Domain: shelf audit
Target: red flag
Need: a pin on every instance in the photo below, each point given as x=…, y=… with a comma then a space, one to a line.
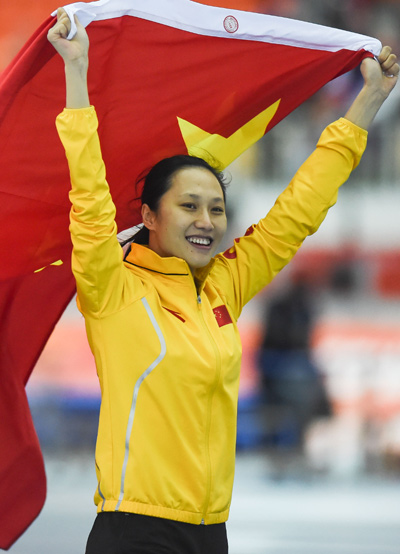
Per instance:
x=166, y=76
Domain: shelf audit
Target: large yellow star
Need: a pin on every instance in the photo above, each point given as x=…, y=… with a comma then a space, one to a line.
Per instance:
x=224, y=150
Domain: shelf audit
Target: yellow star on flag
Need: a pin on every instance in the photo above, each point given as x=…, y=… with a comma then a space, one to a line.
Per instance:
x=58, y=262
x=224, y=150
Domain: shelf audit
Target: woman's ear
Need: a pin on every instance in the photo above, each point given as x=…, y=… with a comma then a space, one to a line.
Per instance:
x=148, y=217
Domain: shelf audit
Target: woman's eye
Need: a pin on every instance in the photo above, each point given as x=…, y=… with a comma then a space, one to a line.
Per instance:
x=189, y=205
x=218, y=210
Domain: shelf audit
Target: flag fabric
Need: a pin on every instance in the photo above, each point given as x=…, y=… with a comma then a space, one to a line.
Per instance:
x=166, y=77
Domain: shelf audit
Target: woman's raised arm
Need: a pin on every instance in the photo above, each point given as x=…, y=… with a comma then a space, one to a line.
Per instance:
x=75, y=55
x=379, y=80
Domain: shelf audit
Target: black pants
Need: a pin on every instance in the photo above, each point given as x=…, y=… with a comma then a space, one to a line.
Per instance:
x=122, y=533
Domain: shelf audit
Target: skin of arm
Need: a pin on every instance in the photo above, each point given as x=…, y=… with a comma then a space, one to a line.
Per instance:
x=379, y=80
x=75, y=55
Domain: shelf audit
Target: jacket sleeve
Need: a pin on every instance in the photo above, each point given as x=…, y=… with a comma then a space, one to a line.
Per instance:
x=255, y=259
x=97, y=260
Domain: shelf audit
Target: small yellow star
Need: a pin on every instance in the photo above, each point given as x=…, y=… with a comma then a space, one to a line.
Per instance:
x=58, y=262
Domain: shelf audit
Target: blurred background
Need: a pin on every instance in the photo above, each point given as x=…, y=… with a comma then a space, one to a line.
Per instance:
x=319, y=407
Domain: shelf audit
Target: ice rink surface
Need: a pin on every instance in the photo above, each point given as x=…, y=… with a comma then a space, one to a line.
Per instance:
x=289, y=515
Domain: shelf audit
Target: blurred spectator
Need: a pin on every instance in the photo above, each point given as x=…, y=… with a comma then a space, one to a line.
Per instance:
x=281, y=152
x=293, y=391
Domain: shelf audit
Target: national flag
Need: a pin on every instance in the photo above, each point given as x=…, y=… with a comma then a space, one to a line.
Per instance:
x=166, y=77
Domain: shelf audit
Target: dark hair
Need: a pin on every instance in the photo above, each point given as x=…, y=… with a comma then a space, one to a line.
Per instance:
x=159, y=180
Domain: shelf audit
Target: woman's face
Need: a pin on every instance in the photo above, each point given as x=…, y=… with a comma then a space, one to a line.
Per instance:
x=190, y=221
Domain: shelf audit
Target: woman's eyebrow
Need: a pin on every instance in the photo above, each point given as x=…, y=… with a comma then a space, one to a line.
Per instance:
x=197, y=197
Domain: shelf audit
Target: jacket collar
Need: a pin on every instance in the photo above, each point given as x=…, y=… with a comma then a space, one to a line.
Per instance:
x=145, y=258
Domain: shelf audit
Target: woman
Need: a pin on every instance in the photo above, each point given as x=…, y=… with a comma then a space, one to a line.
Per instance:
x=161, y=322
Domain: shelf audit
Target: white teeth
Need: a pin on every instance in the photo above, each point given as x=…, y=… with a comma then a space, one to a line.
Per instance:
x=202, y=241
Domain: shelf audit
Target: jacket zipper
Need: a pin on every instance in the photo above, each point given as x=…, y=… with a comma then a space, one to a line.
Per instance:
x=209, y=403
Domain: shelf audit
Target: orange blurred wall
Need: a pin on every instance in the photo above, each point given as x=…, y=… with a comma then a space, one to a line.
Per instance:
x=18, y=20
x=246, y=5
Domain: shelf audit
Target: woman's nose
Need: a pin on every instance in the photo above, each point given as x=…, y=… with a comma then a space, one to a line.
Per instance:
x=204, y=221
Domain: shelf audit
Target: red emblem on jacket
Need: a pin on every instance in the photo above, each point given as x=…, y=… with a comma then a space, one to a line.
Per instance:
x=230, y=254
x=222, y=315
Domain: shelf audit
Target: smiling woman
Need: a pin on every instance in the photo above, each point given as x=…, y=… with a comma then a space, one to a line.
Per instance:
x=190, y=220
x=164, y=176
x=162, y=320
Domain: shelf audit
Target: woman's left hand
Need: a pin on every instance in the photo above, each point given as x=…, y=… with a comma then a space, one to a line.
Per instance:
x=383, y=77
x=380, y=78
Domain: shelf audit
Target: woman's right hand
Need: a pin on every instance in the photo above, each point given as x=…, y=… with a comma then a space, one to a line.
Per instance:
x=75, y=55
x=74, y=50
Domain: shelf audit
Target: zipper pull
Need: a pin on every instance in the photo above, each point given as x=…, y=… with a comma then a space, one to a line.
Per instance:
x=199, y=299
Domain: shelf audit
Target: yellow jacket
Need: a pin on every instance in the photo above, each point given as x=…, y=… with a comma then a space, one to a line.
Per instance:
x=166, y=346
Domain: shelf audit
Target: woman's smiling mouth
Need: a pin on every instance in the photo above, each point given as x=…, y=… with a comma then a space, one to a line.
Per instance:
x=202, y=242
